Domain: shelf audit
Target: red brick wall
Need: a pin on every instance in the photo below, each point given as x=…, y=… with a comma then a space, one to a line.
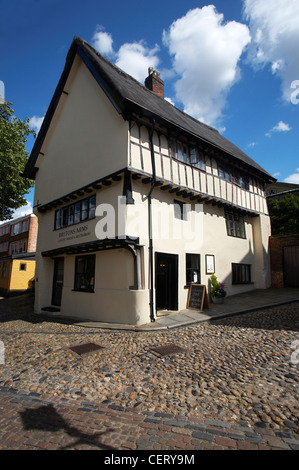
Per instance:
x=277, y=242
x=32, y=237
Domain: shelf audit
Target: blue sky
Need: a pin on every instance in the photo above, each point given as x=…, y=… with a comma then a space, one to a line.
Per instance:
x=233, y=64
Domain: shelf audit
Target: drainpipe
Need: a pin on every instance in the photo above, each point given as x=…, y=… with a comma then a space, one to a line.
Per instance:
x=150, y=223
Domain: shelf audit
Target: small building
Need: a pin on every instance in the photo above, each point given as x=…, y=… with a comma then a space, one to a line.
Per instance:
x=17, y=255
x=136, y=199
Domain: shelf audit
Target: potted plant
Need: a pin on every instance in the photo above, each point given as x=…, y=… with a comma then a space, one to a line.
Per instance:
x=217, y=292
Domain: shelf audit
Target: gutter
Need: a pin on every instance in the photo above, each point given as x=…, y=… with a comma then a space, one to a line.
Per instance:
x=150, y=223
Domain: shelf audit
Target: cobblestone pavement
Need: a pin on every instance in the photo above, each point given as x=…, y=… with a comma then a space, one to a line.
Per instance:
x=232, y=385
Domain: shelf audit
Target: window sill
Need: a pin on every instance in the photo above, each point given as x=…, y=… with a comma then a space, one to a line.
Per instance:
x=84, y=290
x=242, y=283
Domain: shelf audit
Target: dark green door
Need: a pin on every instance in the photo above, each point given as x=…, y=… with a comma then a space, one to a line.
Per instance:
x=57, y=281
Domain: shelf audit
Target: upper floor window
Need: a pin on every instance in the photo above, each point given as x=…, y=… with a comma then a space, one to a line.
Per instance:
x=222, y=173
x=187, y=154
x=235, y=225
x=25, y=225
x=180, y=210
x=197, y=158
x=4, y=230
x=3, y=247
x=75, y=213
x=15, y=229
x=19, y=246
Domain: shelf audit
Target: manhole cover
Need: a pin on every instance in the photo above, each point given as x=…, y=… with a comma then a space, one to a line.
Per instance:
x=86, y=348
x=168, y=349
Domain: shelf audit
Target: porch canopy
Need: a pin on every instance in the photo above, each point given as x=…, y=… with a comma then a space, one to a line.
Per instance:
x=98, y=245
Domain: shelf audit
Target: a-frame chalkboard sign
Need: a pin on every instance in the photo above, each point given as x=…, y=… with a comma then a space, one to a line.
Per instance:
x=197, y=297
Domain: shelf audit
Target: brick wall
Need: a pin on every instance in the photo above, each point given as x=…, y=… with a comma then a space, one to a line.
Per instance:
x=32, y=236
x=277, y=242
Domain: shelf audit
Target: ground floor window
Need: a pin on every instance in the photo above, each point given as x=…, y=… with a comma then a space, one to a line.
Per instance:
x=241, y=273
x=192, y=268
x=84, y=273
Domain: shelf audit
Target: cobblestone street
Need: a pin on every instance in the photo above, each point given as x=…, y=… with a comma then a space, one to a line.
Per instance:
x=231, y=384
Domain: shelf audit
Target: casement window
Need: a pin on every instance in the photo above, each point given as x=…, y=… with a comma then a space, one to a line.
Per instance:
x=3, y=247
x=15, y=229
x=224, y=174
x=19, y=246
x=192, y=268
x=179, y=210
x=4, y=230
x=235, y=225
x=75, y=213
x=25, y=225
x=241, y=273
x=84, y=273
x=197, y=158
x=187, y=154
x=183, y=152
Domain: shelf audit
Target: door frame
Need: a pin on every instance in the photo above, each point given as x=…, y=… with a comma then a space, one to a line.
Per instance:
x=172, y=281
x=54, y=283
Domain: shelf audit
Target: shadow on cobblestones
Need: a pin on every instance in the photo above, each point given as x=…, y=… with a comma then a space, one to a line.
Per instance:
x=46, y=418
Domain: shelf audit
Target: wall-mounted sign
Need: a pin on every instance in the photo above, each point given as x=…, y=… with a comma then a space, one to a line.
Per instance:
x=74, y=233
x=210, y=264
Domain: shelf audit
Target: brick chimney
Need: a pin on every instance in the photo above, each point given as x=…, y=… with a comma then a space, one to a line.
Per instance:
x=154, y=83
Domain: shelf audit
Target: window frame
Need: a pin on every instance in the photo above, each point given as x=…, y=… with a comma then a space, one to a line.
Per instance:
x=89, y=272
x=241, y=273
x=183, y=213
x=235, y=225
x=69, y=215
x=192, y=268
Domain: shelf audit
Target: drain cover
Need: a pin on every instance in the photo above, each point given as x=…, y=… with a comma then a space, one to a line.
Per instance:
x=168, y=349
x=86, y=348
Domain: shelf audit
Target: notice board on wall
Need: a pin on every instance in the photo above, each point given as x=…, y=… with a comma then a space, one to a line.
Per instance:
x=197, y=297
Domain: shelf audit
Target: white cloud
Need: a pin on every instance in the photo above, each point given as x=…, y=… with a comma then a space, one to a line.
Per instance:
x=280, y=127
x=35, y=122
x=206, y=52
x=102, y=41
x=252, y=144
x=275, y=32
x=294, y=178
x=20, y=212
x=136, y=58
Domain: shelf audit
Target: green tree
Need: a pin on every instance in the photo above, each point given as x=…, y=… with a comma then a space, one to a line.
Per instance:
x=13, y=158
x=284, y=215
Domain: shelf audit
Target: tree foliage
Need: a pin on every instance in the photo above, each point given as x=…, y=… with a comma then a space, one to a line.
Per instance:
x=284, y=215
x=13, y=157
